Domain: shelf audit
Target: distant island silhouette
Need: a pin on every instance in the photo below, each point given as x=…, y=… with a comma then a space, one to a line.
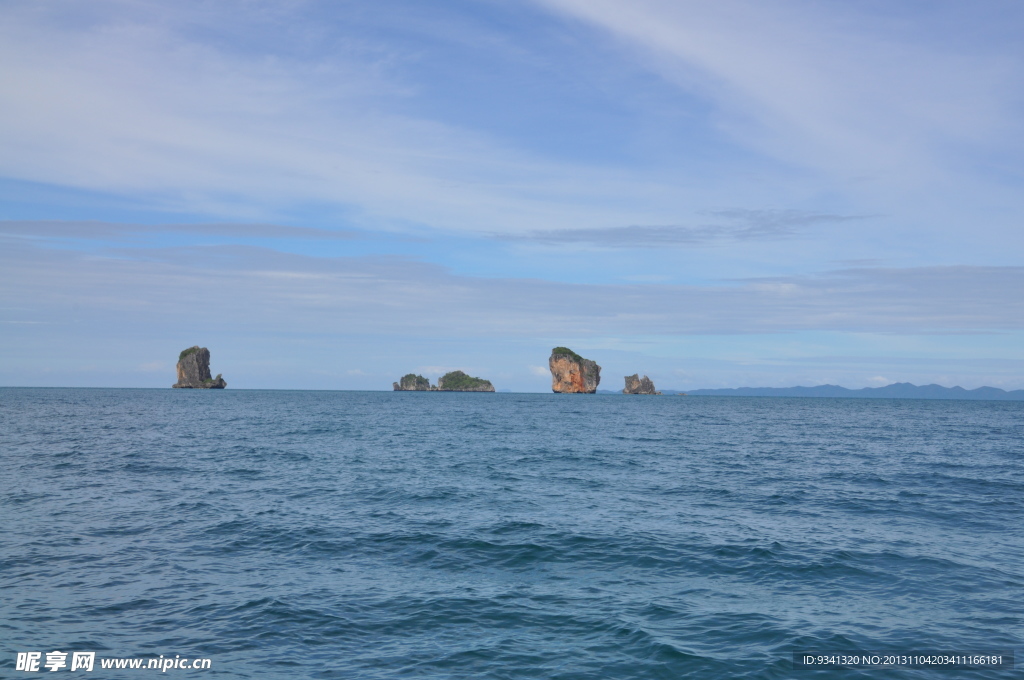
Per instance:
x=894, y=391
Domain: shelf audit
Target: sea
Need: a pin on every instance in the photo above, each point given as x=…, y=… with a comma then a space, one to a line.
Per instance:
x=366, y=535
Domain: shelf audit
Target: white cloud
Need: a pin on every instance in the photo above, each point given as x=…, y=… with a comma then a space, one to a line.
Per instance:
x=213, y=110
x=129, y=100
x=844, y=87
x=251, y=287
x=732, y=225
x=91, y=230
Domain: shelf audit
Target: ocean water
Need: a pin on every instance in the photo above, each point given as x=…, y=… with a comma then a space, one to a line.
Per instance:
x=433, y=535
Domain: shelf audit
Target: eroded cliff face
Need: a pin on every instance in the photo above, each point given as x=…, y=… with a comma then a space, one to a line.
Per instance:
x=194, y=370
x=571, y=373
x=637, y=385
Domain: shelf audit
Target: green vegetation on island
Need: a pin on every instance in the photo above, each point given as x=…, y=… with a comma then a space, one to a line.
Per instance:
x=569, y=353
x=453, y=381
x=186, y=352
x=457, y=381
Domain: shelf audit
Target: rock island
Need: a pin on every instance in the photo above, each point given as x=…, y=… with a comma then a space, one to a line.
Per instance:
x=194, y=370
x=453, y=381
x=457, y=381
x=410, y=382
x=571, y=373
x=637, y=385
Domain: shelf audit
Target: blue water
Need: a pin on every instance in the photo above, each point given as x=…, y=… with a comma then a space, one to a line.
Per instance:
x=382, y=535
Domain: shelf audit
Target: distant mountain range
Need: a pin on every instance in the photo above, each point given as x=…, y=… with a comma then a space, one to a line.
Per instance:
x=894, y=391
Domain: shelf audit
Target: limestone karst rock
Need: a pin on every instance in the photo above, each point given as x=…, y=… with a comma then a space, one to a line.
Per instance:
x=410, y=382
x=457, y=381
x=571, y=373
x=194, y=370
x=453, y=381
x=637, y=385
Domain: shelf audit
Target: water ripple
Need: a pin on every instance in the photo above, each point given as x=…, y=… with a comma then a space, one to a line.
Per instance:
x=380, y=535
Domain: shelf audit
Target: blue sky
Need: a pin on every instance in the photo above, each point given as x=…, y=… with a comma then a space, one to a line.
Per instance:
x=332, y=194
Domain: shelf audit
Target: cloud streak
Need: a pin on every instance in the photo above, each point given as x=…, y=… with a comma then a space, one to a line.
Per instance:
x=125, y=99
x=739, y=225
x=258, y=289
x=828, y=84
x=96, y=230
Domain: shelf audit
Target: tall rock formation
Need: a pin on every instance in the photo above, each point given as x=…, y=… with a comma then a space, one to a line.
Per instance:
x=410, y=382
x=194, y=370
x=571, y=373
x=637, y=385
x=457, y=381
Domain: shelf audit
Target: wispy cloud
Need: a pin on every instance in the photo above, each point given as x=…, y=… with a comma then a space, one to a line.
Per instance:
x=184, y=111
x=95, y=230
x=847, y=88
x=733, y=225
x=258, y=288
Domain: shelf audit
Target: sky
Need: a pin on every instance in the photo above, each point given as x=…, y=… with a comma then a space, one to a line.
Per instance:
x=330, y=195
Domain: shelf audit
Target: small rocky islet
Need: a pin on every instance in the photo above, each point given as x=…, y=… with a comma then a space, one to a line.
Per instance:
x=194, y=371
x=453, y=381
x=637, y=385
